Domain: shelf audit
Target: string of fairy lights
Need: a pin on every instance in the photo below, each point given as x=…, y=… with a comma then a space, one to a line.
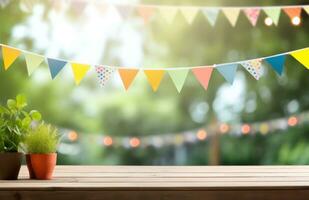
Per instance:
x=191, y=136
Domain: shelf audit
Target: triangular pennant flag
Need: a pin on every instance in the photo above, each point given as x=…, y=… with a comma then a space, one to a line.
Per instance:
x=9, y=55
x=211, y=14
x=306, y=8
x=228, y=71
x=252, y=14
x=146, y=12
x=273, y=14
x=231, y=14
x=293, y=12
x=124, y=10
x=189, y=13
x=33, y=61
x=253, y=67
x=79, y=71
x=154, y=78
x=178, y=77
x=55, y=66
x=276, y=62
x=127, y=76
x=104, y=73
x=302, y=56
x=168, y=13
x=203, y=75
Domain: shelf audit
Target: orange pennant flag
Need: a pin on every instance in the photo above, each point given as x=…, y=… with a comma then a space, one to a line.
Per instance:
x=145, y=12
x=293, y=12
x=9, y=55
x=127, y=76
x=203, y=75
x=154, y=77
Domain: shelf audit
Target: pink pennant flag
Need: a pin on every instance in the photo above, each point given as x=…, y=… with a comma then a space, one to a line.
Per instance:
x=146, y=12
x=252, y=14
x=203, y=75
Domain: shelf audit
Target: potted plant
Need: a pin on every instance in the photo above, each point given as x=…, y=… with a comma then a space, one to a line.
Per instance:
x=41, y=144
x=14, y=125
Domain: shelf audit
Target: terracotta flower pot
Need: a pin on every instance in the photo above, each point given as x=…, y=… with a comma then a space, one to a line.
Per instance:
x=29, y=166
x=43, y=165
x=10, y=165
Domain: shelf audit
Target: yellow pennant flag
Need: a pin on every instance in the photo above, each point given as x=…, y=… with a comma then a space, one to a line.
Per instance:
x=127, y=76
x=79, y=71
x=302, y=56
x=9, y=55
x=154, y=77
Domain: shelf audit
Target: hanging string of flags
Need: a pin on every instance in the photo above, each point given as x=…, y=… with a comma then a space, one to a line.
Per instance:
x=154, y=76
x=192, y=136
x=169, y=12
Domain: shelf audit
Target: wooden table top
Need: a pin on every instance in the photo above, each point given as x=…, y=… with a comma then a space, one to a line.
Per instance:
x=154, y=177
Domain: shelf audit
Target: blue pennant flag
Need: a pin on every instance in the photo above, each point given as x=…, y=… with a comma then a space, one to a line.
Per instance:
x=55, y=66
x=228, y=71
x=276, y=62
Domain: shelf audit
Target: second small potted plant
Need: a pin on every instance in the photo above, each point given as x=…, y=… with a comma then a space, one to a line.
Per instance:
x=41, y=145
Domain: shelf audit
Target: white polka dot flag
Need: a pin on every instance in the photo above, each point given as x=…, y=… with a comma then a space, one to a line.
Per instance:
x=104, y=73
x=253, y=67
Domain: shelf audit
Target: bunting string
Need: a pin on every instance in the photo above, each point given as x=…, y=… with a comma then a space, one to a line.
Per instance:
x=154, y=75
x=169, y=12
x=191, y=136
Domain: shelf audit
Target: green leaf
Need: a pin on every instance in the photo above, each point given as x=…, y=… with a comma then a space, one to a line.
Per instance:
x=26, y=122
x=35, y=115
x=11, y=103
x=21, y=101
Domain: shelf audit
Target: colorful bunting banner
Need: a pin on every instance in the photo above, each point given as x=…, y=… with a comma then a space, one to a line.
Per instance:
x=189, y=13
x=9, y=55
x=277, y=63
x=211, y=14
x=104, y=73
x=154, y=78
x=306, y=8
x=253, y=67
x=178, y=77
x=79, y=71
x=231, y=14
x=33, y=61
x=228, y=71
x=127, y=76
x=302, y=56
x=252, y=14
x=203, y=75
x=273, y=14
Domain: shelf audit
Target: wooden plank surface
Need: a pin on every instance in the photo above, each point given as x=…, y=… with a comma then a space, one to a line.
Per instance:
x=163, y=182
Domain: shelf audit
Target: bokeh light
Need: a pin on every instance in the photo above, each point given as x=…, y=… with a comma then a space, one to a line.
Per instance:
x=296, y=21
x=224, y=128
x=292, y=121
x=245, y=129
x=107, y=141
x=201, y=134
x=135, y=142
x=268, y=21
x=72, y=136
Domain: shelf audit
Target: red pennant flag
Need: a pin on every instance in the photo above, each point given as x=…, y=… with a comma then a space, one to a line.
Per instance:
x=146, y=12
x=203, y=75
x=293, y=12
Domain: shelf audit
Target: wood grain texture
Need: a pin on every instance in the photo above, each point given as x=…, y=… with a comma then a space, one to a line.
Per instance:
x=163, y=182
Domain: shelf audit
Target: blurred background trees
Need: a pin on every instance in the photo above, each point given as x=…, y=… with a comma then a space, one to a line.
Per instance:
x=84, y=35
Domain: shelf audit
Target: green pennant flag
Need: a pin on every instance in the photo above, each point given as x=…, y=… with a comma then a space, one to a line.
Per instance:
x=33, y=61
x=273, y=14
x=178, y=77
